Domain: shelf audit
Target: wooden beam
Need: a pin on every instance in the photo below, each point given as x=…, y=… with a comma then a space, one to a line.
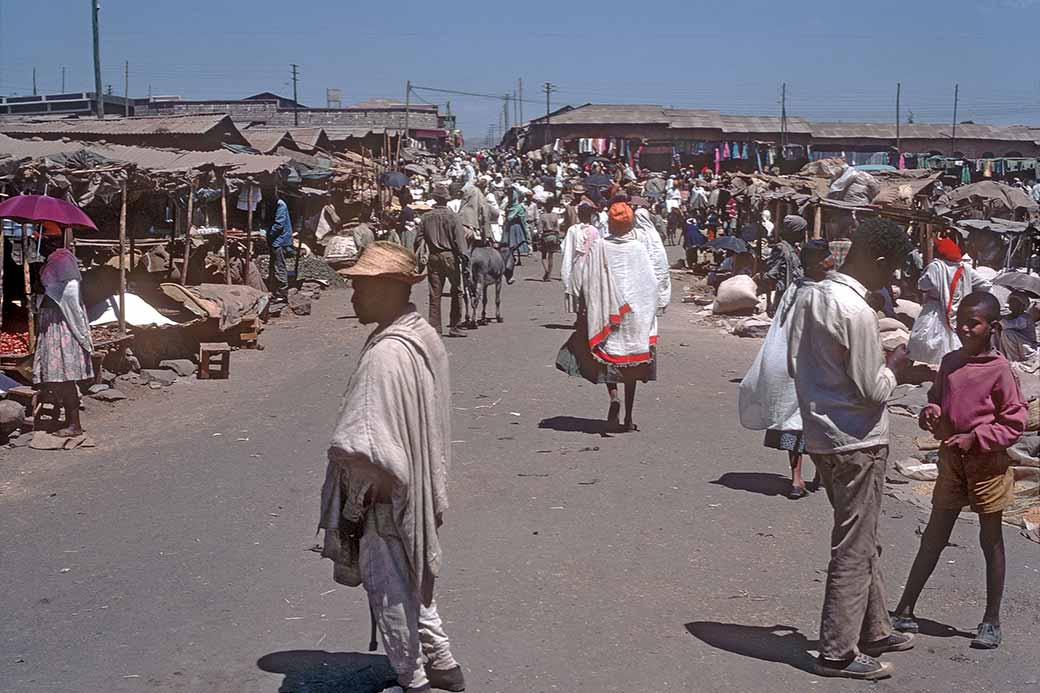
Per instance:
x=187, y=232
x=28, y=289
x=122, y=264
x=249, y=226
x=817, y=231
x=223, y=221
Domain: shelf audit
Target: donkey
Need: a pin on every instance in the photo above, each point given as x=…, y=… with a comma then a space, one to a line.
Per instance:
x=488, y=266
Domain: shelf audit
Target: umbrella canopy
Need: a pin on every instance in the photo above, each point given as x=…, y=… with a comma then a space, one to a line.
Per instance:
x=731, y=243
x=394, y=179
x=1019, y=281
x=39, y=208
x=598, y=180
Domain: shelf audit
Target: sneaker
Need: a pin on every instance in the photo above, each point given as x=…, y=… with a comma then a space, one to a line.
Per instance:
x=862, y=667
x=897, y=642
x=446, y=679
x=454, y=332
x=988, y=638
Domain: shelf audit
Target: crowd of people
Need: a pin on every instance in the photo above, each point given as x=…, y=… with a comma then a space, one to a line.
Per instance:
x=819, y=386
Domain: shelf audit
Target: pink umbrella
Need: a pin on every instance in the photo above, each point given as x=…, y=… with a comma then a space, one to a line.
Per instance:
x=40, y=208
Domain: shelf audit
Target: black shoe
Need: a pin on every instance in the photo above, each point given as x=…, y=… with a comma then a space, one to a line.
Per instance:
x=454, y=332
x=446, y=679
x=905, y=624
x=863, y=668
x=988, y=638
x=897, y=642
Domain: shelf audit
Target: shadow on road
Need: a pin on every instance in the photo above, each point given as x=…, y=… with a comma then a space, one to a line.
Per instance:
x=755, y=482
x=783, y=644
x=316, y=671
x=935, y=629
x=557, y=326
x=574, y=424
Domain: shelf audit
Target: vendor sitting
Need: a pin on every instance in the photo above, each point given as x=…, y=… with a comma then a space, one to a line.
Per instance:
x=63, y=345
x=1018, y=331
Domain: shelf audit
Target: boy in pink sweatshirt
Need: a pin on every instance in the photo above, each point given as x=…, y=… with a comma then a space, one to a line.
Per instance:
x=977, y=411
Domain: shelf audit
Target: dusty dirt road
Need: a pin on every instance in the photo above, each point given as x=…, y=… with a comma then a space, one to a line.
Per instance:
x=174, y=556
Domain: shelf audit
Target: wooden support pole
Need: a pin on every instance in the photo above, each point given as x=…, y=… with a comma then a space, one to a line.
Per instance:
x=926, y=238
x=28, y=288
x=223, y=221
x=187, y=232
x=249, y=226
x=817, y=229
x=122, y=264
x=3, y=248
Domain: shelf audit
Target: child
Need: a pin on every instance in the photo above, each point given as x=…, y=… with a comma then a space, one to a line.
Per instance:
x=976, y=409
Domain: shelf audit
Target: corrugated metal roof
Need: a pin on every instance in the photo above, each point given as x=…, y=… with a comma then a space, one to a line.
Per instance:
x=336, y=132
x=611, y=114
x=693, y=118
x=265, y=141
x=155, y=160
x=306, y=137
x=153, y=125
x=764, y=124
x=887, y=131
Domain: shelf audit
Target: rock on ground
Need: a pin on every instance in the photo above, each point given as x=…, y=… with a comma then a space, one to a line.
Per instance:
x=185, y=368
x=162, y=376
x=12, y=416
x=752, y=327
x=110, y=395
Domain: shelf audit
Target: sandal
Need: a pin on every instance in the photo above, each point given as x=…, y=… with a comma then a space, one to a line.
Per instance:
x=905, y=624
x=797, y=492
x=988, y=638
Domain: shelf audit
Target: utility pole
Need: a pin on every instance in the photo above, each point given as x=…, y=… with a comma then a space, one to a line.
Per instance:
x=407, y=107
x=953, y=135
x=521, y=98
x=505, y=112
x=548, y=88
x=899, y=87
x=126, y=89
x=516, y=107
x=34, y=81
x=295, y=97
x=783, y=118
x=62, y=79
x=100, y=105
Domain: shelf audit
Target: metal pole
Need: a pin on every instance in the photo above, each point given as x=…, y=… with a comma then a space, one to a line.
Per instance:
x=126, y=89
x=295, y=98
x=956, y=95
x=100, y=104
x=62, y=79
x=34, y=81
x=122, y=264
x=521, y=99
x=249, y=226
x=899, y=88
x=407, y=111
x=783, y=118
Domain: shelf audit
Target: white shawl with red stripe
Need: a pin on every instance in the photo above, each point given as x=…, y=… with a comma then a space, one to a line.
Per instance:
x=621, y=294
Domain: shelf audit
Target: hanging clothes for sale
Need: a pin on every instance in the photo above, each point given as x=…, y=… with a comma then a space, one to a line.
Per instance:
x=965, y=175
x=718, y=161
x=725, y=150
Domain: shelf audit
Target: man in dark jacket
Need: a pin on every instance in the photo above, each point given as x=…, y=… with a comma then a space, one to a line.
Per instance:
x=279, y=238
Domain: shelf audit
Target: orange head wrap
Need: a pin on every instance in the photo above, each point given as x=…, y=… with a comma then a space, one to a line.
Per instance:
x=52, y=230
x=620, y=218
x=947, y=250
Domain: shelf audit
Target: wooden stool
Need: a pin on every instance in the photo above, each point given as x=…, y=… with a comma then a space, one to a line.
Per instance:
x=214, y=361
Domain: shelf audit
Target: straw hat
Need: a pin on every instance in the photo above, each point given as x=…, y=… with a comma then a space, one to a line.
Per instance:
x=387, y=260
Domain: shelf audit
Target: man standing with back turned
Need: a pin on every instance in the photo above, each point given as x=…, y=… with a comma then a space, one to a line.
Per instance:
x=449, y=257
x=386, y=479
x=843, y=383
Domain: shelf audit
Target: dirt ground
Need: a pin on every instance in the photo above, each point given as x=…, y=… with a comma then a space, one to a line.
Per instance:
x=175, y=555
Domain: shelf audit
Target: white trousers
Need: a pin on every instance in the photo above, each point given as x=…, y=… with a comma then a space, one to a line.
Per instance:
x=412, y=633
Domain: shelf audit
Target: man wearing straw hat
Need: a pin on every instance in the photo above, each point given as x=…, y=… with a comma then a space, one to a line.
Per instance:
x=385, y=490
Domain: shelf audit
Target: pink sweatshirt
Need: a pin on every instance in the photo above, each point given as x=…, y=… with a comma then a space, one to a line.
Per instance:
x=979, y=394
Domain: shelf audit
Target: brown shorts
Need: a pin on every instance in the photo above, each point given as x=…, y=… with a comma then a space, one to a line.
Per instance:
x=983, y=481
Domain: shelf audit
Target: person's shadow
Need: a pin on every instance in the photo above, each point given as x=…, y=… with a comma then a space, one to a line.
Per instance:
x=755, y=482
x=316, y=671
x=574, y=424
x=783, y=644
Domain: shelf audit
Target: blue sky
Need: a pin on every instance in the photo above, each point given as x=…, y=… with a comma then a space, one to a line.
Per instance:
x=840, y=59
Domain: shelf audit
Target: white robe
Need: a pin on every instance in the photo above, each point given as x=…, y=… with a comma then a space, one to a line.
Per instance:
x=576, y=244
x=396, y=417
x=621, y=294
x=934, y=333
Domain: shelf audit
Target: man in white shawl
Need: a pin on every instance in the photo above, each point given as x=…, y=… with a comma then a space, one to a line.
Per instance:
x=615, y=340
x=946, y=281
x=385, y=490
x=576, y=245
x=63, y=345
